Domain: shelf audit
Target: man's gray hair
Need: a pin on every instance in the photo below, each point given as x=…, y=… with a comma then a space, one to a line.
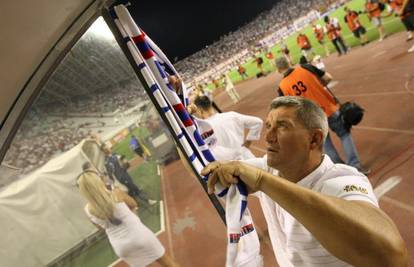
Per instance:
x=282, y=63
x=307, y=112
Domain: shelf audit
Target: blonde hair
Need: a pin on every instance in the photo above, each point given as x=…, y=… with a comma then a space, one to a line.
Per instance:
x=94, y=190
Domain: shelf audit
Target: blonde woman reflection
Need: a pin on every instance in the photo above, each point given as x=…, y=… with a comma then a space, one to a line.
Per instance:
x=113, y=211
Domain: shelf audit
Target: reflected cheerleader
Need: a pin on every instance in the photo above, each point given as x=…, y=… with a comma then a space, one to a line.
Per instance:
x=113, y=211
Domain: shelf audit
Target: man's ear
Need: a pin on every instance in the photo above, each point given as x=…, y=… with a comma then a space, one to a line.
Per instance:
x=316, y=140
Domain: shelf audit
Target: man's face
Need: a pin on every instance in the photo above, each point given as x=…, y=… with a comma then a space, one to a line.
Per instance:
x=288, y=141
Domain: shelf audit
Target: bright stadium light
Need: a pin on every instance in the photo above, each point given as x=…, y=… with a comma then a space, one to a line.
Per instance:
x=100, y=28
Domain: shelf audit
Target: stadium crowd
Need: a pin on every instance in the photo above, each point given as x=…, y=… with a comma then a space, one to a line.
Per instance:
x=35, y=144
x=97, y=103
x=49, y=129
x=282, y=14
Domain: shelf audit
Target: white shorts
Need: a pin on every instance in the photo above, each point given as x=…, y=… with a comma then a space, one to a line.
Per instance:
x=377, y=21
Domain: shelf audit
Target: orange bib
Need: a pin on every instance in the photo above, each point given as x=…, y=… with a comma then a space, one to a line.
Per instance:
x=301, y=82
x=352, y=21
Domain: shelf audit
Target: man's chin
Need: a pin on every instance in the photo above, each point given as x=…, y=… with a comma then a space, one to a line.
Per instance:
x=272, y=161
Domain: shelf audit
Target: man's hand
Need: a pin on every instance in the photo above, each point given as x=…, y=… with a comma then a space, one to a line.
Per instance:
x=228, y=173
x=175, y=82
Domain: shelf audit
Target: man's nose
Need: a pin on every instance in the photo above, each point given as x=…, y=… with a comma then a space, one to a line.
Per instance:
x=270, y=136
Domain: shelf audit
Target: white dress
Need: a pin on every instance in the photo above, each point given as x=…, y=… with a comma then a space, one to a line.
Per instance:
x=132, y=241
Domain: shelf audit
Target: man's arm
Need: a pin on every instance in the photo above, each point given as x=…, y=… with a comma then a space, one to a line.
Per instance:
x=353, y=231
x=326, y=78
x=252, y=123
x=401, y=11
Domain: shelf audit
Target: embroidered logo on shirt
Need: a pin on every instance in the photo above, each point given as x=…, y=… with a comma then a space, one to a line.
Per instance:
x=235, y=237
x=353, y=188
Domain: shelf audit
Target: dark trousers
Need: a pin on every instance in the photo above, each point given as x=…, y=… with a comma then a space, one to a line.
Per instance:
x=133, y=190
x=340, y=45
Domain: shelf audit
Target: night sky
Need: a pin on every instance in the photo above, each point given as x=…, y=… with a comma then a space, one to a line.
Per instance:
x=183, y=28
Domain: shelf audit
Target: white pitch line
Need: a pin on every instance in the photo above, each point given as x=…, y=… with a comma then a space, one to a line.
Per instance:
x=386, y=186
x=379, y=54
x=167, y=219
x=115, y=263
x=384, y=129
x=161, y=219
x=406, y=85
x=399, y=204
x=373, y=94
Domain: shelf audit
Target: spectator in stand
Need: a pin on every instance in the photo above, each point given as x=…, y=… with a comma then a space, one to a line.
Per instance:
x=352, y=20
x=333, y=30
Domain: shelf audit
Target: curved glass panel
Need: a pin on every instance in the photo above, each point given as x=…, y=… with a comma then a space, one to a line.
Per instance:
x=94, y=114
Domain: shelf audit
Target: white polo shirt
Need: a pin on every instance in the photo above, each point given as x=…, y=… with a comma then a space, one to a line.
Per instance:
x=293, y=244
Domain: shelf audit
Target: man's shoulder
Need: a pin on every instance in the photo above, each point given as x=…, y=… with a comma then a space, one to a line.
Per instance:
x=338, y=171
x=346, y=182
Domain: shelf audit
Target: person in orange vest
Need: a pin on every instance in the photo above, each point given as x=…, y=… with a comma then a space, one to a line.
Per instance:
x=355, y=26
x=407, y=17
x=310, y=82
x=259, y=62
x=242, y=71
x=216, y=82
x=333, y=30
x=320, y=36
x=305, y=45
x=395, y=7
x=270, y=57
x=373, y=8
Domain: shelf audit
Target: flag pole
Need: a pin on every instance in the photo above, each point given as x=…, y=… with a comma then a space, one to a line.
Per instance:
x=120, y=40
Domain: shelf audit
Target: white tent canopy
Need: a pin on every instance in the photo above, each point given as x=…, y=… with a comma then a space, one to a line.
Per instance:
x=42, y=214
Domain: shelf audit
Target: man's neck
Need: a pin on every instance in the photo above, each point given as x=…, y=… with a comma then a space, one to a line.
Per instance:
x=286, y=72
x=208, y=113
x=296, y=173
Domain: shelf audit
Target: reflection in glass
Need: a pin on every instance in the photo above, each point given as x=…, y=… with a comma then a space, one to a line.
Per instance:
x=94, y=101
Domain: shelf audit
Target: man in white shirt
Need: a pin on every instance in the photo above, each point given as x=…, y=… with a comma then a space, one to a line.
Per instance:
x=230, y=90
x=318, y=213
x=229, y=127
